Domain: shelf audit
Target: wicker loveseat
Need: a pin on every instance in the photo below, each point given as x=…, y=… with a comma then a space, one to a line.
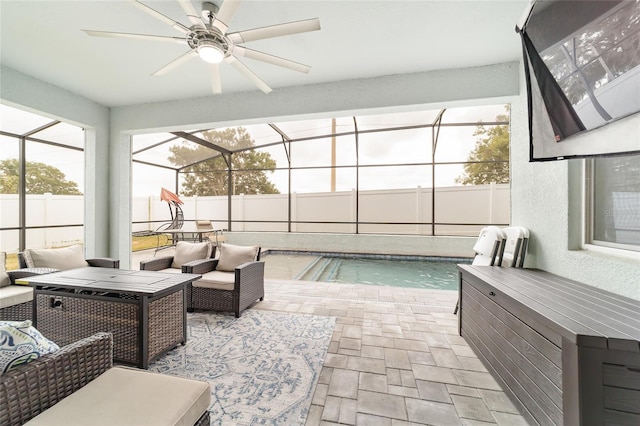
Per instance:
x=231, y=283
x=16, y=300
x=63, y=258
x=28, y=390
x=77, y=385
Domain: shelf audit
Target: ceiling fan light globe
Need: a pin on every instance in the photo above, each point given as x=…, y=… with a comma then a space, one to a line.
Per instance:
x=210, y=53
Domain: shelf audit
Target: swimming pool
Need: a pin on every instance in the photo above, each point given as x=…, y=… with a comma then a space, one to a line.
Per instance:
x=394, y=271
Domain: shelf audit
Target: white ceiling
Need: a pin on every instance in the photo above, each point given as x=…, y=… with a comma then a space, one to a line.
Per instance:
x=358, y=39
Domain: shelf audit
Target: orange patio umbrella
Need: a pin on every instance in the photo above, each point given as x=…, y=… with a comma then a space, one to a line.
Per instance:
x=173, y=200
x=169, y=197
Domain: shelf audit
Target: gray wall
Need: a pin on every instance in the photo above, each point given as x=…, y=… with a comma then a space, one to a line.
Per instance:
x=407, y=245
x=546, y=197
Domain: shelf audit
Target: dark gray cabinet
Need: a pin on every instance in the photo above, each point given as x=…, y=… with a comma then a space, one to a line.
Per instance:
x=565, y=353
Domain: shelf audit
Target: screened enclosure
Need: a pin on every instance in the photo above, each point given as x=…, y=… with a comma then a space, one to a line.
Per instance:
x=436, y=172
x=439, y=172
x=41, y=181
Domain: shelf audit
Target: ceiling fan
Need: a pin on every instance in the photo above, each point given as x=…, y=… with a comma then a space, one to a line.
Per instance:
x=208, y=39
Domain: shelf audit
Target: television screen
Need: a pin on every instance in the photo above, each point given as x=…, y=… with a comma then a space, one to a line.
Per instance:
x=582, y=66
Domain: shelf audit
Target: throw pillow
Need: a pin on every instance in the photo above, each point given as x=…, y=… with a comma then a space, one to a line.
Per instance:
x=59, y=258
x=188, y=252
x=21, y=343
x=232, y=256
x=4, y=277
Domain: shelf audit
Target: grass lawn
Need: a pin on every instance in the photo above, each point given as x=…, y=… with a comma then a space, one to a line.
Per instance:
x=148, y=242
x=137, y=244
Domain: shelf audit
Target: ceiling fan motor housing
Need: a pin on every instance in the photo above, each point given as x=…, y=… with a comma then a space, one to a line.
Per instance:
x=209, y=10
x=199, y=36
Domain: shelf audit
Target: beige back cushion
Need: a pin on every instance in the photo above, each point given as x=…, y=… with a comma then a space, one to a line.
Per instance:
x=204, y=225
x=60, y=258
x=4, y=277
x=187, y=252
x=232, y=256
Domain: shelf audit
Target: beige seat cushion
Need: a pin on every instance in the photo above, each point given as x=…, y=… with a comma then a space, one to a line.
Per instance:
x=126, y=396
x=188, y=252
x=4, y=277
x=14, y=295
x=60, y=258
x=232, y=256
x=217, y=279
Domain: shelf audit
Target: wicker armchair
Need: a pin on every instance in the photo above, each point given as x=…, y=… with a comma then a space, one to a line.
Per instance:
x=185, y=252
x=232, y=289
x=30, y=389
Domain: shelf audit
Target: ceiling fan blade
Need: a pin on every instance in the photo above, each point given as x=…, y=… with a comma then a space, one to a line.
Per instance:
x=248, y=73
x=191, y=12
x=270, y=59
x=179, y=40
x=279, y=30
x=175, y=63
x=177, y=25
x=216, y=84
x=225, y=15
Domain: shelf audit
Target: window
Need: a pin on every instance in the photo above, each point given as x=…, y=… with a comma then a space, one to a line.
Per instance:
x=614, y=197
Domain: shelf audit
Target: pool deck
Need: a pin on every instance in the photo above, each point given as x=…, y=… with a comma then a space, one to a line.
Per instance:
x=395, y=357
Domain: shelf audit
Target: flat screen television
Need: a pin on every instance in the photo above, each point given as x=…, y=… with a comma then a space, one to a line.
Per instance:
x=582, y=68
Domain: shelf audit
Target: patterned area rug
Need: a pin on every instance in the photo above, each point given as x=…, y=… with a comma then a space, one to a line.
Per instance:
x=262, y=367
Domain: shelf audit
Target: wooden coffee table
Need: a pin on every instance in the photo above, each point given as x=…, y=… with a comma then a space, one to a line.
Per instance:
x=144, y=310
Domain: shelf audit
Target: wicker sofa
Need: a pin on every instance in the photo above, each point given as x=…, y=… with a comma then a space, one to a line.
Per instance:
x=230, y=283
x=78, y=385
x=16, y=300
x=30, y=389
x=63, y=258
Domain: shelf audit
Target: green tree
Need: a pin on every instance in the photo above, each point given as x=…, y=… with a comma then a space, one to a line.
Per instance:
x=40, y=178
x=209, y=177
x=489, y=161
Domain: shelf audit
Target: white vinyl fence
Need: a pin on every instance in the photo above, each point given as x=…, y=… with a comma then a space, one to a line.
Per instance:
x=381, y=211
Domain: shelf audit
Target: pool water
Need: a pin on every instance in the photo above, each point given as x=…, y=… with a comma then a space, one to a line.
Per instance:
x=428, y=274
